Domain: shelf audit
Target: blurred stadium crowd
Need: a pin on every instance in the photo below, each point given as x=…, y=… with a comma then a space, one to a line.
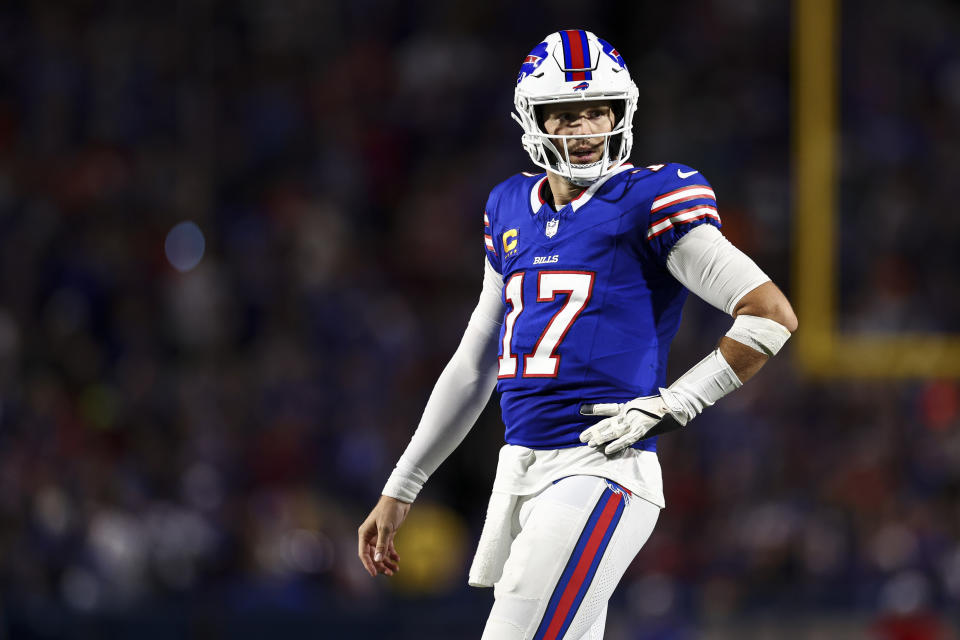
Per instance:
x=180, y=450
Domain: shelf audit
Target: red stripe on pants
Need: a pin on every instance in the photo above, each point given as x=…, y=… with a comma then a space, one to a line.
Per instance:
x=580, y=573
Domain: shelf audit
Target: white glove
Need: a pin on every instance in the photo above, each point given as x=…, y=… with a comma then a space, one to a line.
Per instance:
x=628, y=422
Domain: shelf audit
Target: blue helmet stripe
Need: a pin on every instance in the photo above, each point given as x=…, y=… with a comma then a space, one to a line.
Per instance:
x=565, y=40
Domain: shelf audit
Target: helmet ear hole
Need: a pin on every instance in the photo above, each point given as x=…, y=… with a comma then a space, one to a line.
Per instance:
x=541, y=118
x=619, y=109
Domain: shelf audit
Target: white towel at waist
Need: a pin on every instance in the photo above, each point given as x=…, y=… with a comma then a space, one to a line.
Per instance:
x=495, y=540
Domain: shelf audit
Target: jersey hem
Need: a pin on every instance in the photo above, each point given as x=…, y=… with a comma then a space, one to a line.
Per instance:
x=550, y=447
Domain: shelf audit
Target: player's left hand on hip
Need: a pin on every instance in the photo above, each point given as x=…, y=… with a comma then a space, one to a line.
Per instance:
x=627, y=422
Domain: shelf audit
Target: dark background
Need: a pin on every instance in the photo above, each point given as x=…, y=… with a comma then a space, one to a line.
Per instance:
x=189, y=453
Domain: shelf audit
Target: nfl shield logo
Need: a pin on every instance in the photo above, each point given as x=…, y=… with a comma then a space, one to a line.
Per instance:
x=552, y=226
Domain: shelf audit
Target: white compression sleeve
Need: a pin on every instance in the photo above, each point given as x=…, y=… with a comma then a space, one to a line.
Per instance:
x=707, y=264
x=460, y=394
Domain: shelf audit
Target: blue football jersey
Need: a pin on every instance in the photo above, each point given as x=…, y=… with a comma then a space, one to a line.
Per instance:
x=589, y=306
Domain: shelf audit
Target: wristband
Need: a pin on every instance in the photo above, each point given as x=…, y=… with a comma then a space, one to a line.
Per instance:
x=760, y=334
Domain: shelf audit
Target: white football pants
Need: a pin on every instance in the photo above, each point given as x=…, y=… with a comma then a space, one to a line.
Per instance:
x=572, y=543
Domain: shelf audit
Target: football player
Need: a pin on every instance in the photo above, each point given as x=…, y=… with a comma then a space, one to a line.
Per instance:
x=587, y=267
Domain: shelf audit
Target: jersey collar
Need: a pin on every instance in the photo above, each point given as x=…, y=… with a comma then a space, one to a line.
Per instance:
x=536, y=201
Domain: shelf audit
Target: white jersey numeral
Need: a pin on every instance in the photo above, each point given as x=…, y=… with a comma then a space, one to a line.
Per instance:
x=544, y=362
x=513, y=294
x=578, y=285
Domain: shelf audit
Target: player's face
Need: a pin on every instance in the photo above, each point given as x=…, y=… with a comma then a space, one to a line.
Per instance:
x=579, y=118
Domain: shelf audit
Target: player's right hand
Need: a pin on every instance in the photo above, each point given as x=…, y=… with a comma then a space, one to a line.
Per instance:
x=376, y=550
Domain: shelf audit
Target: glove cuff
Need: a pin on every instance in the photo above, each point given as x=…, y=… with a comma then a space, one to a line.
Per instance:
x=674, y=405
x=701, y=386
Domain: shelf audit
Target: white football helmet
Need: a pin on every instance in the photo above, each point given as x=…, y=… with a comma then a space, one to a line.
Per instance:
x=575, y=65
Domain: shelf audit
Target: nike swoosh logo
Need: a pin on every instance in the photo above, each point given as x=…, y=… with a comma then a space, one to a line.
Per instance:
x=685, y=174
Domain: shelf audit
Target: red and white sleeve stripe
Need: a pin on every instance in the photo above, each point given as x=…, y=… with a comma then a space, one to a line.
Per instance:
x=706, y=207
x=487, y=238
x=695, y=192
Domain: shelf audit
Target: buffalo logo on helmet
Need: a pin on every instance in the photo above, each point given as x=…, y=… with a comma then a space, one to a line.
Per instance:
x=533, y=60
x=582, y=86
x=612, y=53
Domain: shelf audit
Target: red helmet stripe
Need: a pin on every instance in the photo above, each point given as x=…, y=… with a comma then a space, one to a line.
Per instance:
x=578, y=59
